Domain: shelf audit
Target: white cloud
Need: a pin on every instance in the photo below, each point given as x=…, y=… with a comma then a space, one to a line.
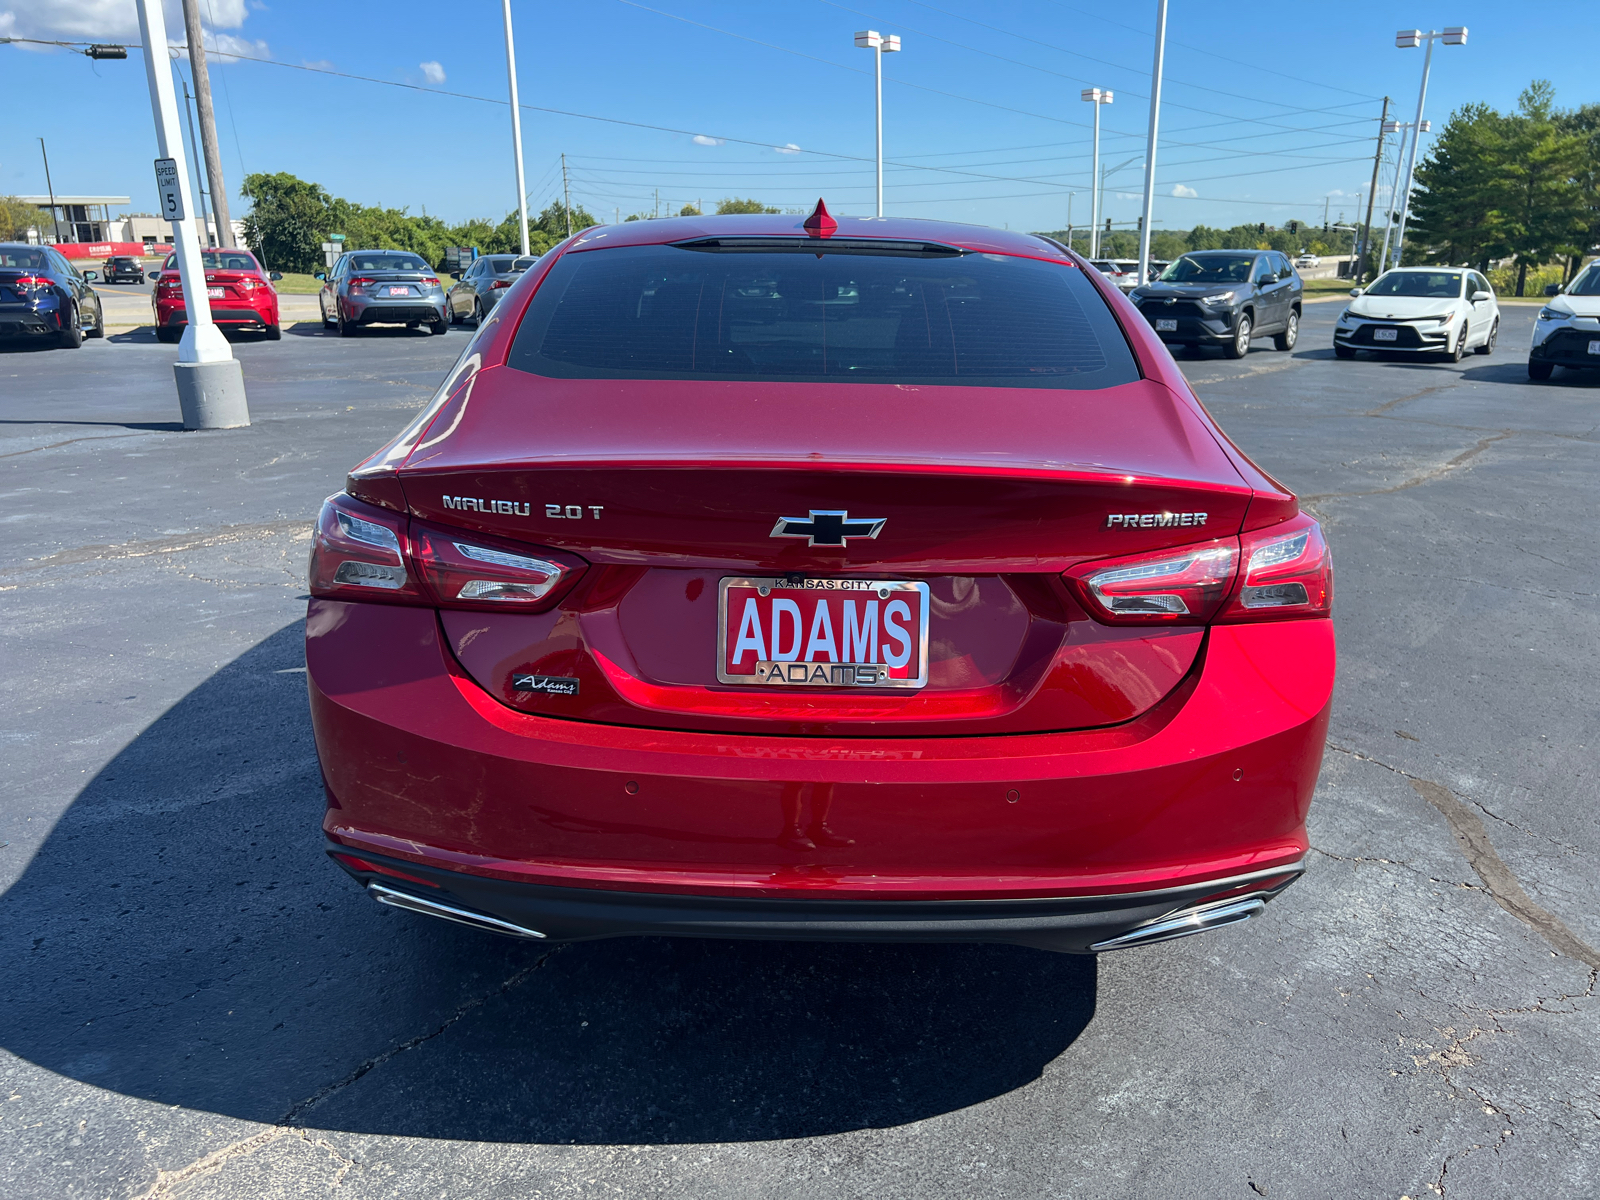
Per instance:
x=432, y=72
x=107, y=20
x=317, y=64
x=701, y=139
x=791, y=148
x=226, y=48
x=1188, y=193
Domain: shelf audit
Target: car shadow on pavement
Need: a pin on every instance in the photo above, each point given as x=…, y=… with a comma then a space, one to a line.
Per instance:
x=180, y=938
x=1516, y=371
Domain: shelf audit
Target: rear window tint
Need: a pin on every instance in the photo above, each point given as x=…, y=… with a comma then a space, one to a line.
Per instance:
x=668, y=312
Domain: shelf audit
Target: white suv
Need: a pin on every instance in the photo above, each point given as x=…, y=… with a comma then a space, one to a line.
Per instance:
x=1421, y=310
x=1567, y=333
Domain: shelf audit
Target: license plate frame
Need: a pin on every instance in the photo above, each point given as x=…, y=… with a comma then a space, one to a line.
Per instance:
x=216, y=293
x=1386, y=335
x=1166, y=324
x=833, y=676
x=399, y=289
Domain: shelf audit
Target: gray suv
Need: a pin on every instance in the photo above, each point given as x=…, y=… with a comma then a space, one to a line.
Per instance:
x=368, y=287
x=1224, y=298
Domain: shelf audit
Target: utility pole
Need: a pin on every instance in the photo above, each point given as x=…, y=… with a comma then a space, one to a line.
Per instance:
x=1150, y=151
x=656, y=211
x=516, y=129
x=1360, y=271
x=1325, y=202
x=566, y=192
x=194, y=148
x=210, y=383
x=51, y=188
x=208, y=122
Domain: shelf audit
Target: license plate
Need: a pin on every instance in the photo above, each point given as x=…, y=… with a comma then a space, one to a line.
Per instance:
x=216, y=293
x=399, y=291
x=822, y=633
x=1594, y=347
x=1385, y=335
x=1166, y=326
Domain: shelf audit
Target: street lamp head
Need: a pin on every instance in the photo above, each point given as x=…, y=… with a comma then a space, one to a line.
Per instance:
x=1455, y=35
x=1427, y=127
x=891, y=43
x=1096, y=95
x=869, y=39
x=1406, y=39
x=1392, y=127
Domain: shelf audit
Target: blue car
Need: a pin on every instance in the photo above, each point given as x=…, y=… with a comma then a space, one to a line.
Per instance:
x=44, y=298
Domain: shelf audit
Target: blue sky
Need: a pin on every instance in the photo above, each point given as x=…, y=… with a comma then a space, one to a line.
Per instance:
x=982, y=117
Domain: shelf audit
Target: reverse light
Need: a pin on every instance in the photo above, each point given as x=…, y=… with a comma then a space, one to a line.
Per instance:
x=1288, y=572
x=1185, y=585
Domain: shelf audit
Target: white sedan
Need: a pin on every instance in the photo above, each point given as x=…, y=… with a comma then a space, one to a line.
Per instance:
x=1567, y=333
x=1421, y=310
x=1307, y=260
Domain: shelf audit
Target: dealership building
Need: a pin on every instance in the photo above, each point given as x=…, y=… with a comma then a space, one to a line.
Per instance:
x=82, y=227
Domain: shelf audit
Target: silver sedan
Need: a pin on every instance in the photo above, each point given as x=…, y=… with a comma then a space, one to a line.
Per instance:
x=368, y=287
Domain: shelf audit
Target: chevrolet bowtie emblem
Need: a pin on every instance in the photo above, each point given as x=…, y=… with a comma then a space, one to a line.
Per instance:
x=828, y=527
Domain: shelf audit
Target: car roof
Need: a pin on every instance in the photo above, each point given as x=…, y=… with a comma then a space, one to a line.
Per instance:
x=678, y=229
x=1203, y=253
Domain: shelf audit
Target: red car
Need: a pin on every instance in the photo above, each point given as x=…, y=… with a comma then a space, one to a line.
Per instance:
x=878, y=580
x=241, y=293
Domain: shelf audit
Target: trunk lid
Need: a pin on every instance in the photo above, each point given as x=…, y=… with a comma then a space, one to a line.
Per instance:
x=984, y=494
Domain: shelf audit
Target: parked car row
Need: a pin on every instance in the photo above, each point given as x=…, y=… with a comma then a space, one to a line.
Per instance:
x=395, y=287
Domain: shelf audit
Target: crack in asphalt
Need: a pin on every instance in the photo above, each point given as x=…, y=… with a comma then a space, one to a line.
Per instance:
x=166, y=1181
x=226, y=535
x=1478, y=849
x=297, y=1110
x=1427, y=476
x=1427, y=391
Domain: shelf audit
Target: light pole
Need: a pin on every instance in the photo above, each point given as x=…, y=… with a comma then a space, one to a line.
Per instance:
x=1410, y=39
x=516, y=130
x=1096, y=97
x=1150, y=150
x=1402, y=128
x=1106, y=173
x=879, y=44
x=210, y=383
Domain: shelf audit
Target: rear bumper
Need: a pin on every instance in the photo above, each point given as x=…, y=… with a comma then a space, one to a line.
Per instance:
x=19, y=321
x=179, y=316
x=370, y=311
x=1069, y=924
x=425, y=768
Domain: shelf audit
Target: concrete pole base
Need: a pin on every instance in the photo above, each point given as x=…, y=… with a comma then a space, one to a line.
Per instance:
x=211, y=394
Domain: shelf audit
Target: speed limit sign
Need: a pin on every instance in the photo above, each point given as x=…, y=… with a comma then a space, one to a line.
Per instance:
x=169, y=191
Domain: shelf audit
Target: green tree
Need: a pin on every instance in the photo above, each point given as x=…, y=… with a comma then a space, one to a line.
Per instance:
x=1545, y=213
x=689, y=210
x=1458, y=209
x=287, y=221
x=732, y=204
x=16, y=217
x=1584, y=123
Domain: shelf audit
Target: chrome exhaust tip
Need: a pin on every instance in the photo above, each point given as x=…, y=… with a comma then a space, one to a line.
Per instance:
x=448, y=912
x=1199, y=919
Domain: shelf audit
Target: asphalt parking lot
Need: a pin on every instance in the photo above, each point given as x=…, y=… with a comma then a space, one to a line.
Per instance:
x=195, y=1004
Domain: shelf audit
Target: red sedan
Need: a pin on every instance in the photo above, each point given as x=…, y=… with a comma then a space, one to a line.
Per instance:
x=240, y=293
x=868, y=579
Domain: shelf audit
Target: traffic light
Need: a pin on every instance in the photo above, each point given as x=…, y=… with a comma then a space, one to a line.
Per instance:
x=1141, y=224
x=1261, y=228
x=1324, y=227
x=1108, y=224
x=1294, y=226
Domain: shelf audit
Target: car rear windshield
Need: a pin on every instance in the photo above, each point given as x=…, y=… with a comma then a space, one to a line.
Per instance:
x=1435, y=285
x=501, y=263
x=219, y=260
x=387, y=262
x=1209, y=268
x=800, y=315
x=27, y=260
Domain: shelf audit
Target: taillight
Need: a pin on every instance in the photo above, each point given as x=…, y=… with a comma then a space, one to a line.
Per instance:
x=362, y=552
x=1287, y=572
x=500, y=283
x=1185, y=585
x=430, y=281
x=465, y=570
x=30, y=283
x=357, y=553
x=246, y=284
